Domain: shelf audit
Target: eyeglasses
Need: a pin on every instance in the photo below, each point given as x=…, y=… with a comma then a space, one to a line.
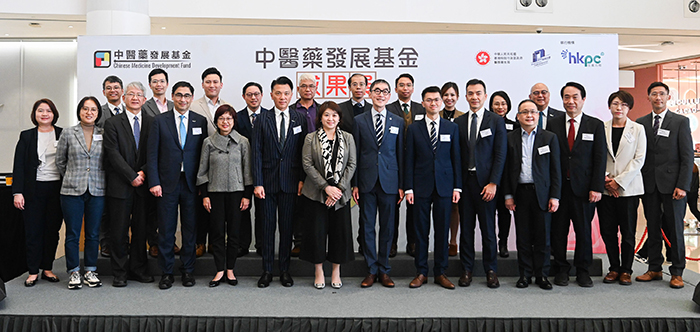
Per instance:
x=109, y=88
x=88, y=109
x=132, y=95
x=537, y=93
x=180, y=95
x=430, y=101
x=528, y=112
x=226, y=119
x=304, y=86
x=621, y=105
x=158, y=81
x=378, y=91
x=253, y=94
x=658, y=94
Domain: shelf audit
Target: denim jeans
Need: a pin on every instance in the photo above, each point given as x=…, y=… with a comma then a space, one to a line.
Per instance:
x=73, y=209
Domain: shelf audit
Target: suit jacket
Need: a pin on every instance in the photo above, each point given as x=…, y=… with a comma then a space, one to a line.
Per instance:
x=348, y=112
x=314, y=167
x=626, y=166
x=81, y=169
x=490, y=148
x=200, y=107
x=278, y=168
x=125, y=158
x=417, y=111
x=669, y=160
x=245, y=128
x=27, y=161
x=166, y=156
x=379, y=162
x=585, y=163
x=546, y=166
x=552, y=113
x=106, y=114
x=151, y=108
x=427, y=170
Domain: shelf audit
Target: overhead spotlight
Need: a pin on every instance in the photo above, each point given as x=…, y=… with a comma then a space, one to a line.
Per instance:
x=525, y=3
x=541, y=3
x=534, y=6
x=35, y=25
x=694, y=6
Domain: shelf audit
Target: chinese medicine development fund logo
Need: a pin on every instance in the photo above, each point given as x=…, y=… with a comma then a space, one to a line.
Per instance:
x=483, y=58
x=102, y=59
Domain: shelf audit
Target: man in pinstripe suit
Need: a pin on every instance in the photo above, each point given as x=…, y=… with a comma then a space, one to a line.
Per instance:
x=278, y=137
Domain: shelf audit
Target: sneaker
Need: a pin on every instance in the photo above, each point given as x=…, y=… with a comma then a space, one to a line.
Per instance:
x=91, y=279
x=75, y=281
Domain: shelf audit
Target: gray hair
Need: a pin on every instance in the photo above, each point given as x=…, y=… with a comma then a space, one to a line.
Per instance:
x=306, y=77
x=136, y=85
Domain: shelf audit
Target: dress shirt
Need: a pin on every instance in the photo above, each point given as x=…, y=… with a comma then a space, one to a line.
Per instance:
x=437, y=132
x=479, y=118
x=278, y=120
x=545, y=117
x=661, y=119
x=177, y=127
x=250, y=114
x=577, y=123
x=401, y=103
x=161, y=107
x=528, y=143
x=131, y=116
x=111, y=108
x=362, y=102
x=374, y=118
x=212, y=106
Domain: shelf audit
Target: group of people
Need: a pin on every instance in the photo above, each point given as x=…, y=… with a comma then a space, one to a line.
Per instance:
x=301, y=164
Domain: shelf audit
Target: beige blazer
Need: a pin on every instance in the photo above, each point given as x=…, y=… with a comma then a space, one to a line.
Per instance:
x=626, y=166
x=312, y=161
x=200, y=106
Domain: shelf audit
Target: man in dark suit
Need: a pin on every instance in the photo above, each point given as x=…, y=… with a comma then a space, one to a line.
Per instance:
x=377, y=185
x=532, y=187
x=278, y=136
x=433, y=177
x=125, y=141
x=666, y=172
x=252, y=94
x=583, y=157
x=174, y=146
x=355, y=105
x=410, y=111
x=481, y=134
x=539, y=93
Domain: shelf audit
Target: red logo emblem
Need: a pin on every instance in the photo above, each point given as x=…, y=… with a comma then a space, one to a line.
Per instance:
x=483, y=58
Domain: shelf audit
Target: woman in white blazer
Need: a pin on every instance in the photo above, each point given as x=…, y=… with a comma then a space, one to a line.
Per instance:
x=627, y=146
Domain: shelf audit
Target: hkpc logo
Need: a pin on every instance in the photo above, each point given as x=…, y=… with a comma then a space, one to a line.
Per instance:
x=587, y=60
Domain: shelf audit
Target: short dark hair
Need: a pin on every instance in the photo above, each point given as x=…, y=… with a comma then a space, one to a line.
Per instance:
x=210, y=71
x=282, y=80
x=94, y=100
x=476, y=81
x=249, y=84
x=112, y=79
x=575, y=85
x=52, y=107
x=657, y=84
x=377, y=81
x=224, y=109
x=624, y=96
x=155, y=72
x=503, y=95
x=357, y=74
x=447, y=86
x=523, y=102
x=406, y=75
x=430, y=89
x=183, y=84
x=329, y=105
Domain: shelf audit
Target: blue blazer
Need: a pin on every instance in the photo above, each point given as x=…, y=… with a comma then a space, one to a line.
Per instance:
x=490, y=150
x=244, y=127
x=165, y=155
x=278, y=168
x=384, y=162
x=427, y=170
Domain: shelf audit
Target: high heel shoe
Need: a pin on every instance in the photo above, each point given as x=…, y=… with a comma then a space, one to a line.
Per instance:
x=337, y=285
x=30, y=283
x=215, y=283
x=233, y=282
x=320, y=286
x=50, y=279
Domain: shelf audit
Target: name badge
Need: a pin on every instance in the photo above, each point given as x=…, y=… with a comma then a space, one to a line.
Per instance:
x=587, y=137
x=394, y=130
x=543, y=149
x=296, y=130
x=509, y=126
x=196, y=131
x=55, y=144
x=97, y=137
x=629, y=137
x=664, y=132
x=444, y=138
x=418, y=117
x=485, y=133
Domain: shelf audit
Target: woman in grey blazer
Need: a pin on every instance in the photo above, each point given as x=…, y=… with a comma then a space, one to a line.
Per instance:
x=329, y=160
x=226, y=182
x=79, y=160
x=627, y=146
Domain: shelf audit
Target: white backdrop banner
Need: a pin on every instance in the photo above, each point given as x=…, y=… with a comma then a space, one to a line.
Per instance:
x=512, y=63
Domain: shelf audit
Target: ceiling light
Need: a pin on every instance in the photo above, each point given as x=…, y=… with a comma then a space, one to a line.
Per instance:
x=35, y=25
x=163, y=28
x=694, y=6
x=70, y=27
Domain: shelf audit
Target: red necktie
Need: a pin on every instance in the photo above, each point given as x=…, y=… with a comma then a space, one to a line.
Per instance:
x=572, y=134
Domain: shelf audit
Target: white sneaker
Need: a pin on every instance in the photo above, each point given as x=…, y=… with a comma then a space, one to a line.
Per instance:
x=91, y=279
x=75, y=281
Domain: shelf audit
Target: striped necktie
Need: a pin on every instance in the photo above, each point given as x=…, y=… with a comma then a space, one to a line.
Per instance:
x=379, y=129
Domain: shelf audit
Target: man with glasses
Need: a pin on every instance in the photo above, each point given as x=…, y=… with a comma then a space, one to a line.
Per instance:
x=539, y=93
x=377, y=187
x=666, y=173
x=174, y=146
x=158, y=82
x=357, y=104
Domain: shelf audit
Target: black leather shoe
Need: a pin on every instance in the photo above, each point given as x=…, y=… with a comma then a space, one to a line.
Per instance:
x=392, y=251
x=233, y=282
x=144, y=279
x=166, y=281
x=465, y=279
x=49, y=279
x=265, y=279
x=119, y=282
x=188, y=279
x=503, y=251
x=584, y=279
x=105, y=252
x=561, y=279
x=411, y=249
x=28, y=283
x=492, y=279
x=286, y=279
x=522, y=283
x=242, y=252
x=543, y=283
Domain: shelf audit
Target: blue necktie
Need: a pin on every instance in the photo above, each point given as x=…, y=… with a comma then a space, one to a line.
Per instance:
x=137, y=131
x=183, y=131
x=116, y=111
x=539, y=124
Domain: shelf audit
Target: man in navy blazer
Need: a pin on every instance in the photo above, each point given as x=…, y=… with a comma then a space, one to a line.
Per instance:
x=433, y=177
x=377, y=183
x=540, y=94
x=482, y=139
x=532, y=188
x=666, y=173
x=583, y=157
x=174, y=146
x=278, y=136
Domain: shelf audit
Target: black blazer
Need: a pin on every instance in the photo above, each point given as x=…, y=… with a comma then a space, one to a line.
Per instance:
x=244, y=127
x=546, y=166
x=585, y=164
x=511, y=125
x=26, y=162
x=490, y=150
x=348, y=112
x=553, y=113
x=125, y=158
x=416, y=109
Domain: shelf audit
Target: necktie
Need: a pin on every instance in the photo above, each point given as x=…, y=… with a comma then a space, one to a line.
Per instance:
x=405, y=108
x=541, y=123
x=252, y=120
x=572, y=134
x=116, y=110
x=657, y=118
x=357, y=109
x=379, y=129
x=283, y=134
x=433, y=135
x=183, y=131
x=472, y=141
x=137, y=131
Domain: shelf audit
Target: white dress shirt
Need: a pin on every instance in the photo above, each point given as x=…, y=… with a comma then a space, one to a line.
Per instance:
x=278, y=120
x=479, y=119
x=577, y=124
x=374, y=117
x=213, y=106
